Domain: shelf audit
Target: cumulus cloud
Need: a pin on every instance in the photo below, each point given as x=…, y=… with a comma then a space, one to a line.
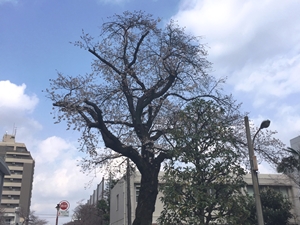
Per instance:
x=13, y=97
x=57, y=166
x=58, y=176
x=51, y=149
x=16, y=108
x=255, y=45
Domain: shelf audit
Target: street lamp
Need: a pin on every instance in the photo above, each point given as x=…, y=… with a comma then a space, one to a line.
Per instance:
x=254, y=167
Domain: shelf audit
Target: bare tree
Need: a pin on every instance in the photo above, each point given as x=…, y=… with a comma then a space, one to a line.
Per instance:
x=32, y=218
x=142, y=75
x=2, y=220
x=85, y=214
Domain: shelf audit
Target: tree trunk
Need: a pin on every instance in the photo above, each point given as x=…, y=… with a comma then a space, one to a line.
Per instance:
x=147, y=197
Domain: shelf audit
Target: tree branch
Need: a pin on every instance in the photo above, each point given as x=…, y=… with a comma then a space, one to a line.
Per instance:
x=104, y=61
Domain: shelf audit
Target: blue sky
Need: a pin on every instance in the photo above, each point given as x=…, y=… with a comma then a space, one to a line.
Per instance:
x=255, y=44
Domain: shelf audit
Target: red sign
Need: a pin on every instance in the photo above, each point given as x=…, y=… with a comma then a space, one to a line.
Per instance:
x=64, y=205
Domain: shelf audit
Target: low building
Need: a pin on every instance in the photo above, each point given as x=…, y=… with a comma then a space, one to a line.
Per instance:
x=119, y=201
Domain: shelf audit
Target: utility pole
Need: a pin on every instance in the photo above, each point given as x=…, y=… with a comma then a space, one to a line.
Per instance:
x=254, y=168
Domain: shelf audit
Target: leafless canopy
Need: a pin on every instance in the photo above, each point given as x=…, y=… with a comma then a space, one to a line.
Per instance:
x=141, y=76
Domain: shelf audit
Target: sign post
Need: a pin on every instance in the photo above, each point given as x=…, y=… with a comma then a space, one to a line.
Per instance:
x=57, y=208
x=64, y=206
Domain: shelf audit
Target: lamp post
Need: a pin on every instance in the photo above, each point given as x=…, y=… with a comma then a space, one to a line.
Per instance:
x=57, y=208
x=254, y=167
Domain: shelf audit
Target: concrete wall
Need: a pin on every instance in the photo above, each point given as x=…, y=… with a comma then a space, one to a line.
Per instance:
x=117, y=204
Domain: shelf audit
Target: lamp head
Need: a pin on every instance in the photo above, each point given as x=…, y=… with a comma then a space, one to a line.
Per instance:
x=265, y=124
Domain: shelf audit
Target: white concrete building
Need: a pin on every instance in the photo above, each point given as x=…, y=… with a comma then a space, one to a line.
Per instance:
x=118, y=199
x=295, y=143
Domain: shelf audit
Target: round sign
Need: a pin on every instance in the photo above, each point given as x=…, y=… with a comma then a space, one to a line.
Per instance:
x=64, y=205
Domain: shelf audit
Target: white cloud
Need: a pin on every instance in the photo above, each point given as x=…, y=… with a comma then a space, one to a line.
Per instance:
x=277, y=77
x=255, y=44
x=58, y=177
x=13, y=98
x=53, y=148
x=231, y=25
x=16, y=109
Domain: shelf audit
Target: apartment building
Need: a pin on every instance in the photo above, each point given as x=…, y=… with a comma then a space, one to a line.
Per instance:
x=17, y=186
x=118, y=198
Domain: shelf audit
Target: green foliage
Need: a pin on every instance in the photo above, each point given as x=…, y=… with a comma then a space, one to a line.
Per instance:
x=103, y=210
x=290, y=163
x=276, y=208
x=204, y=181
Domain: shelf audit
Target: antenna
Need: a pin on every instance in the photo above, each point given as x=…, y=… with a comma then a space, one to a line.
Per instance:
x=14, y=131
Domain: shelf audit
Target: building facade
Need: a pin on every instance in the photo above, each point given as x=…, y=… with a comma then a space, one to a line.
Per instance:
x=17, y=186
x=4, y=170
x=119, y=200
x=295, y=143
x=98, y=194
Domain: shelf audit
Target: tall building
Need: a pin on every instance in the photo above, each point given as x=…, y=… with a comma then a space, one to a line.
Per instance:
x=17, y=186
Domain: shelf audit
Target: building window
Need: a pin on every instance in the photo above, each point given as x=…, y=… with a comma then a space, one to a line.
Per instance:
x=137, y=192
x=282, y=189
x=117, y=202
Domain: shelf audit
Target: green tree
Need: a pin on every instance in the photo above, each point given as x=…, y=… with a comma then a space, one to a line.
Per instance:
x=290, y=165
x=276, y=208
x=204, y=179
x=103, y=211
